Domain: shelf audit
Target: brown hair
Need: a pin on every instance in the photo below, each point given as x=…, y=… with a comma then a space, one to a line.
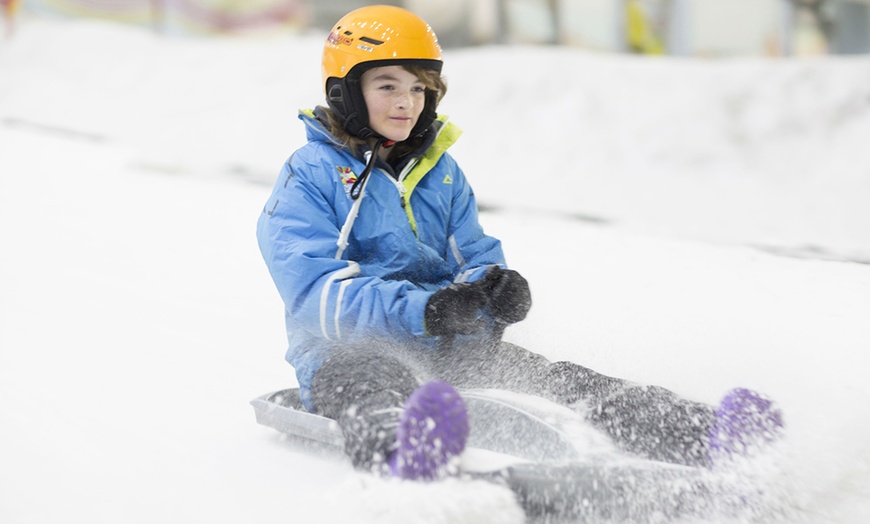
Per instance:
x=434, y=84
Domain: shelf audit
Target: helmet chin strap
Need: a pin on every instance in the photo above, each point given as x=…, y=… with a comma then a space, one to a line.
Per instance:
x=357, y=191
x=358, y=186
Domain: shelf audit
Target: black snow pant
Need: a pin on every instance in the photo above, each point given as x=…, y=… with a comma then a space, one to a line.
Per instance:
x=364, y=389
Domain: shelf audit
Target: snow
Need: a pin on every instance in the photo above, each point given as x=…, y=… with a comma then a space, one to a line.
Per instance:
x=688, y=223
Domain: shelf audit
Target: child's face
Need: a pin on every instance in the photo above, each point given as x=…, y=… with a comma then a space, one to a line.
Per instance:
x=394, y=98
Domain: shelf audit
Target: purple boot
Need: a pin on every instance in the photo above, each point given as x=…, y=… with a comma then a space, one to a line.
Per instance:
x=431, y=434
x=745, y=422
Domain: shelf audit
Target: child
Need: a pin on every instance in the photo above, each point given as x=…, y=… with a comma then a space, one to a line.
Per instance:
x=394, y=294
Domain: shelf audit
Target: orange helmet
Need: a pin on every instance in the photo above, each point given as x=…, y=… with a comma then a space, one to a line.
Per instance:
x=369, y=37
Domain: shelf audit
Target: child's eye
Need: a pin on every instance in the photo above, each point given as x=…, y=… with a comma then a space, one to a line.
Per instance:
x=419, y=89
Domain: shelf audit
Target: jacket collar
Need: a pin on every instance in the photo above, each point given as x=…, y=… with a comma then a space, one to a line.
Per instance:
x=316, y=131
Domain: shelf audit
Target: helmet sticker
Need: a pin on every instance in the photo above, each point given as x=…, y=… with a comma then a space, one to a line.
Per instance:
x=335, y=38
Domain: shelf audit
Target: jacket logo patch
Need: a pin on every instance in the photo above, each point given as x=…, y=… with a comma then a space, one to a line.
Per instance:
x=348, y=178
x=448, y=179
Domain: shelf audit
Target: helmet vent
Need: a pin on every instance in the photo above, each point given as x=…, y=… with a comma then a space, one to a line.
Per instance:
x=371, y=40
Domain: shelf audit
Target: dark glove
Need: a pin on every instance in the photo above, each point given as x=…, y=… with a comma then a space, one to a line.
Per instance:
x=455, y=309
x=509, y=295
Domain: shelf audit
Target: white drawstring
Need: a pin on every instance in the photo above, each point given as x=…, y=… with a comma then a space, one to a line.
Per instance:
x=351, y=216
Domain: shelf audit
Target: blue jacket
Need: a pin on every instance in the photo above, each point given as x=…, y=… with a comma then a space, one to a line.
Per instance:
x=411, y=235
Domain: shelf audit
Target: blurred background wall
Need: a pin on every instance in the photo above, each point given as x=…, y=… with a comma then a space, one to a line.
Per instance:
x=675, y=27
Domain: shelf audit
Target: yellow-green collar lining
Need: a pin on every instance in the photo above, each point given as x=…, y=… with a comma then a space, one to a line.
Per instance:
x=447, y=136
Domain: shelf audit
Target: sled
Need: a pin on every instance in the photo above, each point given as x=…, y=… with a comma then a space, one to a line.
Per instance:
x=558, y=468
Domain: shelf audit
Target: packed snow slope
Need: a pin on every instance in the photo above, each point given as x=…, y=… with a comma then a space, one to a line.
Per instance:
x=689, y=223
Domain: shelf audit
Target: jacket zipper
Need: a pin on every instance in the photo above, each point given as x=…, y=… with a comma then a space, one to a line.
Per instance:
x=398, y=182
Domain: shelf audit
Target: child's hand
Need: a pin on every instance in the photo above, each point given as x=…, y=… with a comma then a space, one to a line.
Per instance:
x=455, y=309
x=509, y=295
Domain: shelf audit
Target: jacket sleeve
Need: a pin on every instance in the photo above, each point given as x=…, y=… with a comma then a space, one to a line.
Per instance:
x=328, y=297
x=472, y=249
